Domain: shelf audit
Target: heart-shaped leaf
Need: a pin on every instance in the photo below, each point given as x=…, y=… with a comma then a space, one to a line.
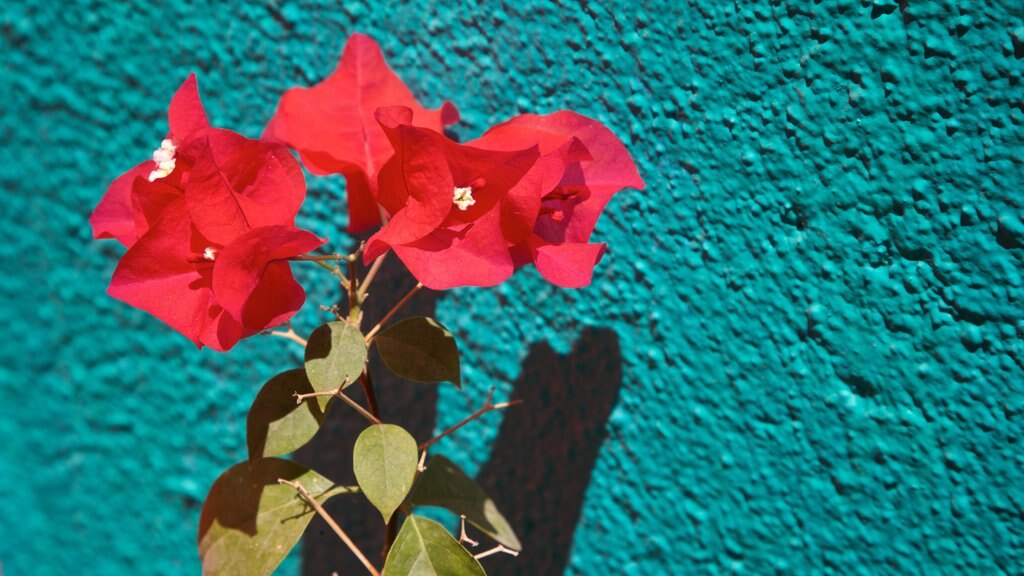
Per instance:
x=444, y=484
x=384, y=460
x=277, y=424
x=335, y=356
x=249, y=522
x=420, y=349
x=425, y=548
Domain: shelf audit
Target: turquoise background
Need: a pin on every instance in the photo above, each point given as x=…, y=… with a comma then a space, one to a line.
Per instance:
x=808, y=326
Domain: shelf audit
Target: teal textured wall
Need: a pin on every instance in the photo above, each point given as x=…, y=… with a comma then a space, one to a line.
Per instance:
x=808, y=329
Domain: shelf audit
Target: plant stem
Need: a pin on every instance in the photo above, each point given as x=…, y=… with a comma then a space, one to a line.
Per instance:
x=289, y=335
x=374, y=268
x=336, y=270
x=330, y=522
x=487, y=407
x=393, y=311
x=355, y=313
x=373, y=418
x=496, y=550
x=319, y=257
x=371, y=397
x=390, y=533
x=322, y=261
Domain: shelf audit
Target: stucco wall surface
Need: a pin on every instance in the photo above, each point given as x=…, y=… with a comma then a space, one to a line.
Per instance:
x=801, y=354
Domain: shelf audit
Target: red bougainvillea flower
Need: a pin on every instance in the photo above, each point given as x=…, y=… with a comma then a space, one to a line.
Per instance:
x=332, y=127
x=583, y=164
x=208, y=234
x=211, y=263
x=453, y=207
x=115, y=216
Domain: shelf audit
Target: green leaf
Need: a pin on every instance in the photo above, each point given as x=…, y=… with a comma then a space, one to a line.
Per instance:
x=420, y=349
x=277, y=424
x=250, y=522
x=384, y=460
x=335, y=355
x=425, y=548
x=444, y=484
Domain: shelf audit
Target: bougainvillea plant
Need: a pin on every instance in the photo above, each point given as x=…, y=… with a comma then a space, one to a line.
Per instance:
x=209, y=227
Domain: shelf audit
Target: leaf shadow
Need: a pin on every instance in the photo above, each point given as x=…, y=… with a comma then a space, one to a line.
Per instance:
x=540, y=465
x=274, y=403
x=234, y=498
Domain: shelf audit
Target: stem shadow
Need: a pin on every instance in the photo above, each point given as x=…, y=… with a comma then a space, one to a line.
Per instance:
x=546, y=449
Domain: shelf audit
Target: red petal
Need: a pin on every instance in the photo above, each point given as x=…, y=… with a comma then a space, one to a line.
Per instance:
x=113, y=216
x=519, y=209
x=363, y=211
x=220, y=331
x=238, y=184
x=156, y=275
x=251, y=286
x=477, y=256
x=567, y=265
x=331, y=124
x=611, y=169
x=185, y=114
x=150, y=199
x=415, y=185
x=493, y=176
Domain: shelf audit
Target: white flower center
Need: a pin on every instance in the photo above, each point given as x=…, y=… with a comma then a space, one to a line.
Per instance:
x=164, y=159
x=463, y=198
x=210, y=253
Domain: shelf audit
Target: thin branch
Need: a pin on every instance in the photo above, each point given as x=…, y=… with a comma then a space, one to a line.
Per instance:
x=371, y=397
x=330, y=522
x=319, y=257
x=289, y=335
x=322, y=261
x=496, y=550
x=390, y=534
x=355, y=312
x=336, y=310
x=463, y=537
x=487, y=407
x=393, y=311
x=339, y=392
x=371, y=274
x=336, y=270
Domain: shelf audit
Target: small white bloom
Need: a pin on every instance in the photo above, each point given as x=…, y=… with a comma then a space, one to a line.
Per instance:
x=463, y=198
x=164, y=159
x=210, y=253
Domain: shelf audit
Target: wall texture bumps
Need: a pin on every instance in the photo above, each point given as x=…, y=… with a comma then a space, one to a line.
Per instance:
x=808, y=327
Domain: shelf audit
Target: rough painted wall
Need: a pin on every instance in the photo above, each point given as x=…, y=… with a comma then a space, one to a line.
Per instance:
x=802, y=353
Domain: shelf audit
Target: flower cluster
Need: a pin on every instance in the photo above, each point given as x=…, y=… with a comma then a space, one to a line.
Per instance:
x=209, y=224
x=529, y=190
x=209, y=220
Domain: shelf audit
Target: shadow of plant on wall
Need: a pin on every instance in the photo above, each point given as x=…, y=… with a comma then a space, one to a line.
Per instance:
x=541, y=460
